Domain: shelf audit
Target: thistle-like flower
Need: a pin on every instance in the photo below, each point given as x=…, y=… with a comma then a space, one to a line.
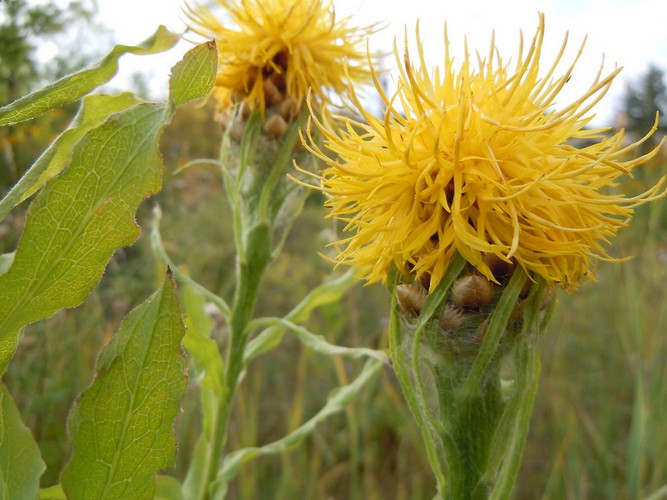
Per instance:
x=272, y=50
x=478, y=159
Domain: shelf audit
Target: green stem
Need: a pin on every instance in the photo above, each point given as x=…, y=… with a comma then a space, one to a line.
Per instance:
x=470, y=419
x=250, y=271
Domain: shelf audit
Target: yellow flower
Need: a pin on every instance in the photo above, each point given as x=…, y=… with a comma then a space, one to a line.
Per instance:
x=276, y=49
x=478, y=160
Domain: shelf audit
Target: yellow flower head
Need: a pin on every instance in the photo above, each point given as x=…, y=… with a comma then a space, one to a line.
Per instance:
x=283, y=48
x=476, y=159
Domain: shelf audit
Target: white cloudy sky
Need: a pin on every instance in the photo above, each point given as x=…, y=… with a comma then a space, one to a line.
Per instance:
x=629, y=33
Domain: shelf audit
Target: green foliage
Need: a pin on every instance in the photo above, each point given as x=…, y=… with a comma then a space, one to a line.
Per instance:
x=73, y=227
x=20, y=461
x=76, y=224
x=121, y=427
x=95, y=109
x=75, y=86
x=195, y=75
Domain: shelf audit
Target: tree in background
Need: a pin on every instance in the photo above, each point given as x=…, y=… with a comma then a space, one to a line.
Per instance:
x=40, y=43
x=24, y=29
x=641, y=102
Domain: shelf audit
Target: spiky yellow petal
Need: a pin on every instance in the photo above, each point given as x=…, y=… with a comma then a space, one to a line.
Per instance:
x=478, y=159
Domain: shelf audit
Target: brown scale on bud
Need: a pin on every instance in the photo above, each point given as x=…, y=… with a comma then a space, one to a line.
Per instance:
x=271, y=93
x=451, y=318
x=275, y=126
x=472, y=291
x=410, y=298
x=289, y=108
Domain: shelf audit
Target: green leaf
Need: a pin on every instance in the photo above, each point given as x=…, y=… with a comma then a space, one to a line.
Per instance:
x=198, y=343
x=497, y=327
x=326, y=293
x=73, y=87
x=194, y=76
x=21, y=464
x=318, y=344
x=94, y=111
x=79, y=220
x=122, y=426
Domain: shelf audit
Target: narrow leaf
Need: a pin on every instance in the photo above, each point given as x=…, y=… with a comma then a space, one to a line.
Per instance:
x=337, y=401
x=122, y=425
x=326, y=293
x=204, y=351
x=193, y=77
x=94, y=110
x=71, y=88
x=318, y=344
x=79, y=220
x=21, y=464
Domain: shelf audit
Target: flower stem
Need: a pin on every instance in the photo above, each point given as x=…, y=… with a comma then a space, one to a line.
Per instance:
x=250, y=271
x=471, y=419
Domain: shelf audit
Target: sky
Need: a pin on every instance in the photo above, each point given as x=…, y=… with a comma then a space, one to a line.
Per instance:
x=626, y=33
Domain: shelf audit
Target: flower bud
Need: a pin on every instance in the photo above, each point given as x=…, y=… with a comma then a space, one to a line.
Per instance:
x=275, y=126
x=451, y=318
x=410, y=298
x=472, y=291
x=289, y=108
x=271, y=93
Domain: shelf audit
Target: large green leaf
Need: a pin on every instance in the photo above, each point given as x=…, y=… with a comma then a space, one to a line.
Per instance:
x=94, y=111
x=122, y=426
x=80, y=219
x=71, y=88
x=85, y=214
x=21, y=464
